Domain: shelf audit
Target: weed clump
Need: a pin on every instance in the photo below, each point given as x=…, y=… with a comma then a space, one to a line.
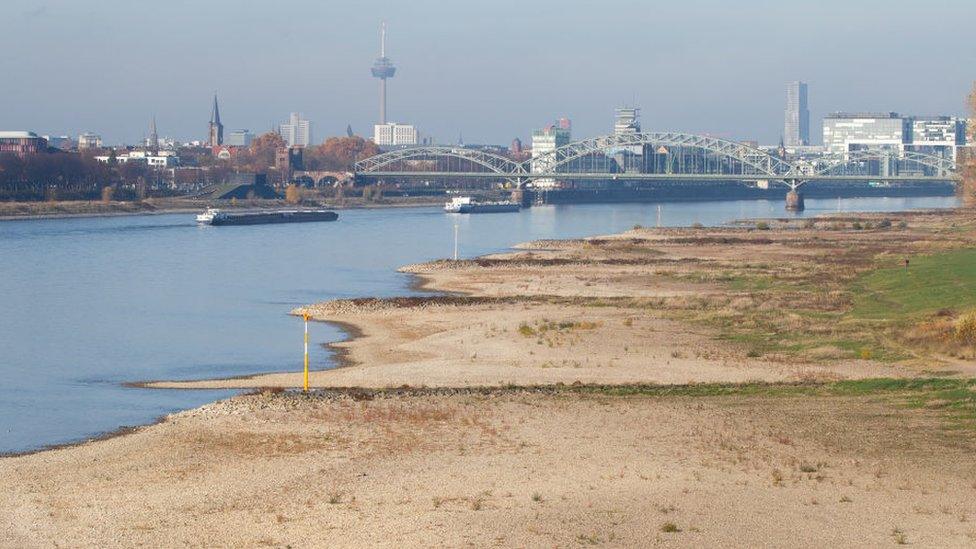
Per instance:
x=670, y=527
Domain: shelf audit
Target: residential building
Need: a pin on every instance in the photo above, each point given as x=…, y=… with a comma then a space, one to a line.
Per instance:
x=239, y=138
x=21, y=143
x=392, y=134
x=796, y=130
x=545, y=141
x=297, y=132
x=846, y=132
x=89, y=141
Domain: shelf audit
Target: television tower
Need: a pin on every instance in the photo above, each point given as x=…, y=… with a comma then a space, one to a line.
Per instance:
x=383, y=68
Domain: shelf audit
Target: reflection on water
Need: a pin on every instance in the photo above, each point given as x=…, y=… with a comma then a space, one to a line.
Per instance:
x=91, y=303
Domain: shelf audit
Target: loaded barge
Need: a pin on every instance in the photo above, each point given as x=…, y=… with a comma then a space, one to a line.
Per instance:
x=214, y=216
x=465, y=204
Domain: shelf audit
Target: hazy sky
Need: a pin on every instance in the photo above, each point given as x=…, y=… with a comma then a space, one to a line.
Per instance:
x=492, y=70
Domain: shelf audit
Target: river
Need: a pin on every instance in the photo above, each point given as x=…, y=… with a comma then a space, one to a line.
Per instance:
x=91, y=303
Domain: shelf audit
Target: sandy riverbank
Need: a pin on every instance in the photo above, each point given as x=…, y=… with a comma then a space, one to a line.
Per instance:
x=510, y=469
x=818, y=462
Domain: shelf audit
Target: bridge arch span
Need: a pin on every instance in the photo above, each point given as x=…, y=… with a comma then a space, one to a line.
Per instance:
x=751, y=160
x=494, y=163
x=900, y=161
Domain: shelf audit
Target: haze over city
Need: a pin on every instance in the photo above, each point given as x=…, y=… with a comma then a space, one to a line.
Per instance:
x=540, y=273
x=489, y=72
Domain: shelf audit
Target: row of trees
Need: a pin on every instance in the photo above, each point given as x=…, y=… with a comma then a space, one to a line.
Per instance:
x=68, y=176
x=339, y=153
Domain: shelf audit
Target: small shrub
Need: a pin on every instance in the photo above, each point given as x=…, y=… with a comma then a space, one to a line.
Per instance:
x=845, y=499
x=537, y=497
x=865, y=353
x=902, y=224
x=966, y=330
x=638, y=227
x=884, y=224
x=857, y=226
x=670, y=527
x=754, y=353
x=762, y=226
x=526, y=330
x=697, y=225
x=807, y=468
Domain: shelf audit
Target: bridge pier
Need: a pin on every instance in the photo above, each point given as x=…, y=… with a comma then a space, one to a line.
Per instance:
x=525, y=197
x=794, y=201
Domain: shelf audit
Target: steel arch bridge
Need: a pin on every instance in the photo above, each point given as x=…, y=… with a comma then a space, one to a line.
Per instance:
x=675, y=156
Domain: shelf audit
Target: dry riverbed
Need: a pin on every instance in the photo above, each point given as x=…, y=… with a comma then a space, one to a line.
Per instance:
x=675, y=387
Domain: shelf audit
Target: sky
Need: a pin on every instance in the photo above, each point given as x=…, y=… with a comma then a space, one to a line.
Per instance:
x=489, y=71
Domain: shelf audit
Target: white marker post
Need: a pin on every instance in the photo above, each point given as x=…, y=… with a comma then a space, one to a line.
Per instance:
x=455, y=241
x=305, y=383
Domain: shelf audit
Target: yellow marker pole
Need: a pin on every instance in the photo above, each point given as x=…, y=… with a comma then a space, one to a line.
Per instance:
x=305, y=384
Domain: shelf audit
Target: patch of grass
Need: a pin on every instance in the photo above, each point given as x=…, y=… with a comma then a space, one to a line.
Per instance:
x=930, y=283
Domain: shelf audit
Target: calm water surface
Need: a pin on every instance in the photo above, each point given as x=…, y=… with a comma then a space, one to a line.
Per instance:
x=88, y=304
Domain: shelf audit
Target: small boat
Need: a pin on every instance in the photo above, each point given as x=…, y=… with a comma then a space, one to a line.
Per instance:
x=466, y=204
x=214, y=216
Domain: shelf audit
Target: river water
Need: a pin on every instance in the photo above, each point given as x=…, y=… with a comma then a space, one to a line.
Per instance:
x=89, y=304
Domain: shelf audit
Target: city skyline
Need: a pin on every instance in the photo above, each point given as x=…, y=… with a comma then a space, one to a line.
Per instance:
x=444, y=85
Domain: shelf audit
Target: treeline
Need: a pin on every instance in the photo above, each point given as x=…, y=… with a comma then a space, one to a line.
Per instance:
x=78, y=176
x=68, y=176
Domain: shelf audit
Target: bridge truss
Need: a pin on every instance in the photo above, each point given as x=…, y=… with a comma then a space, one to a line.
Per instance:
x=670, y=156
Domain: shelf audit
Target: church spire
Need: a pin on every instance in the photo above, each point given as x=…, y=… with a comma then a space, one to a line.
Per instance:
x=153, y=136
x=216, y=128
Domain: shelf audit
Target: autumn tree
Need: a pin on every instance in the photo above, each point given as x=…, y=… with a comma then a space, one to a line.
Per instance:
x=969, y=159
x=260, y=156
x=293, y=195
x=339, y=153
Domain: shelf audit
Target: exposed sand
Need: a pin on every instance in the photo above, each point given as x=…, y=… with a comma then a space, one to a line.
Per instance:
x=545, y=467
x=508, y=470
x=481, y=345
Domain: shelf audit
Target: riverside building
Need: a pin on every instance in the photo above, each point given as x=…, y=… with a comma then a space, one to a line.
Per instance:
x=21, y=143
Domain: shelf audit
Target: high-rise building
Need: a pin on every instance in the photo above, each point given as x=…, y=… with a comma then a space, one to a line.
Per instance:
x=239, y=138
x=297, y=132
x=545, y=141
x=383, y=68
x=626, y=121
x=216, y=136
x=393, y=134
x=796, y=131
x=845, y=132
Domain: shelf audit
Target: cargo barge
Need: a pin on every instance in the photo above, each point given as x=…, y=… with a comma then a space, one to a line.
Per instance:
x=465, y=204
x=214, y=216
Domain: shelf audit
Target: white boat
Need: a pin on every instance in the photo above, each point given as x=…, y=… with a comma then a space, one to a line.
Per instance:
x=208, y=216
x=466, y=204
